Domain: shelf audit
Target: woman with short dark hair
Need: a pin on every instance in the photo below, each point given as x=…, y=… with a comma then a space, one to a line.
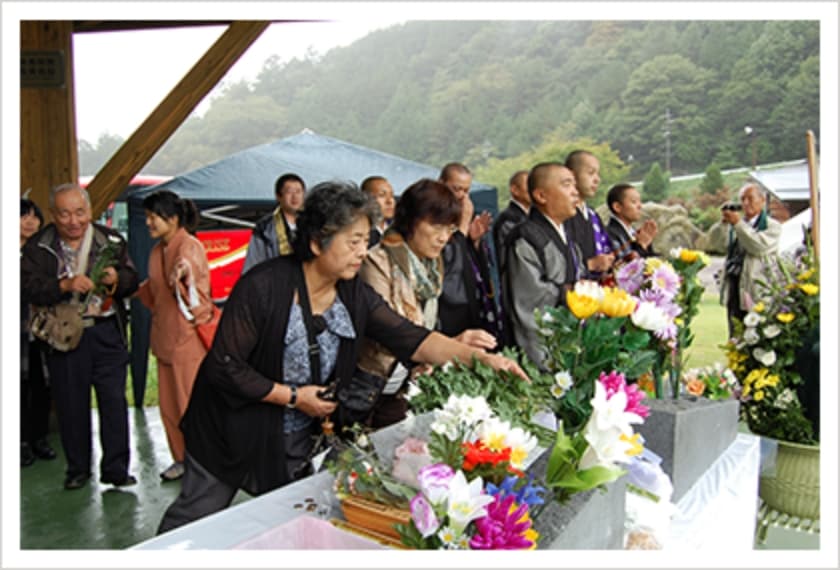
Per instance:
x=406, y=268
x=258, y=397
x=35, y=399
x=177, y=265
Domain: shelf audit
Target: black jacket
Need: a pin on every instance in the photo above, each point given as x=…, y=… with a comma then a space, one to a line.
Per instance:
x=227, y=427
x=623, y=244
x=39, y=270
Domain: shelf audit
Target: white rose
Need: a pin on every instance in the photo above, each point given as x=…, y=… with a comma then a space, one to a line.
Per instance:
x=752, y=319
x=751, y=336
x=766, y=357
x=771, y=331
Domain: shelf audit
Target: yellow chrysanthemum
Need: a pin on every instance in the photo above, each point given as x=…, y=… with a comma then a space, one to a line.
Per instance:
x=809, y=289
x=785, y=317
x=805, y=275
x=773, y=380
x=617, y=303
x=582, y=306
x=688, y=255
x=758, y=396
x=654, y=263
x=759, y=307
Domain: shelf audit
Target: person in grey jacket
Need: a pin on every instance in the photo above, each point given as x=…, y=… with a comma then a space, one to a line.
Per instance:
x=274, y=233
x=753, y=248
x=542, y=263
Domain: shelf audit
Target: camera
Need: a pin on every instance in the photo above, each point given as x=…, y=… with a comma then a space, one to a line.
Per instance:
x=329, y=393
x=731, y=207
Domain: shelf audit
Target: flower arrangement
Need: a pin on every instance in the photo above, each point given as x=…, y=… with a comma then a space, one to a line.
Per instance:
x=769, y=347
x=474, y=495
x=656, y=285
x=713, y=382
x=687, y=263
x=508, y=397
x=603, y=328
x=593, y=456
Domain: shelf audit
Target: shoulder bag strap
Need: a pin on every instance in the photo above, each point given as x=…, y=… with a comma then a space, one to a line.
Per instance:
x=314, y=349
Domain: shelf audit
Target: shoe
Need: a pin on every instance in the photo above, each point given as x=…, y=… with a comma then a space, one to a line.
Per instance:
x=43, y=450
x=173, y=472
x=72, y=482
x=27, y=457
x=127, y=482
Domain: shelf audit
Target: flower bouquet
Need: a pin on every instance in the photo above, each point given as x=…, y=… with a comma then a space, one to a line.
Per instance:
x=474, y=494
x=656, y=286
x=712, y=382
x=603, y=328
x=773, y=346
x=589, y=458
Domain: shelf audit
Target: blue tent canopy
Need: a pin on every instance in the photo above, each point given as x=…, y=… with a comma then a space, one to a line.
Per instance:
x=243, y=183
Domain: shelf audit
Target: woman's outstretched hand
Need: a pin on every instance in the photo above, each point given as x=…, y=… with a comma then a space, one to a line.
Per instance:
x=500, y=362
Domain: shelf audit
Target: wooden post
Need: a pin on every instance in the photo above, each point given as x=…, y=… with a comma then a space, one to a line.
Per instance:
x=48, y=153
x=814, y=188
x=171, y=112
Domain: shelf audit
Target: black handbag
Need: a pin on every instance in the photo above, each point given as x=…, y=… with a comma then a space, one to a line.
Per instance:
x=360, y=394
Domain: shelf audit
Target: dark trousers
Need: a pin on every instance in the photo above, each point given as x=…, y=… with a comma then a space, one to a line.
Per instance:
x=100, y=361
x=35, y=402
x=203, y=494
x=733, y=304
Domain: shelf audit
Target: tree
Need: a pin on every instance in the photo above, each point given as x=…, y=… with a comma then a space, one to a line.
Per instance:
x=94, y=157
x=655, y=185
x=712, y=181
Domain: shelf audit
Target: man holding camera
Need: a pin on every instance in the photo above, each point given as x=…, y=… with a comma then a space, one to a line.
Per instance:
x=753, y=247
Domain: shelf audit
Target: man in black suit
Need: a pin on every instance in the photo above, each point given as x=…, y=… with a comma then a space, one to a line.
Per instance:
x=516, y=212
x=625, y=206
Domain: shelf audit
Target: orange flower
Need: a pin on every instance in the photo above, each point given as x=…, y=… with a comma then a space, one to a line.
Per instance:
x=695, y=387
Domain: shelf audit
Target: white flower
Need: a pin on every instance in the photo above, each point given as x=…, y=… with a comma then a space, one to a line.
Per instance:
x=771, y=331
x=589, y=289
x=676, y=252
x=751, y=336
x=562, y=382
x=362, y=441
x=465, y=501
x=547, y=318
x=460, y=415
x=611, y=414
x=649, y=317
x=752, y=319
x=447, y=366
x=605, y=448
x=521, y=444
x=766, y=357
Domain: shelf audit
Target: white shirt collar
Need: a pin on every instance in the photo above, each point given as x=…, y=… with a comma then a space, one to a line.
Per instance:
x=561, y=231
x=520, y=204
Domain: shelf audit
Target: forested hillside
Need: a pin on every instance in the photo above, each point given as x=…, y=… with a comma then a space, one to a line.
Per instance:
x=488, y=92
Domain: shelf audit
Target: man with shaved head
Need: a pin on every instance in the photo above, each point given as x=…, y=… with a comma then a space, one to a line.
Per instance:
x=542, y=263
x=753, y=247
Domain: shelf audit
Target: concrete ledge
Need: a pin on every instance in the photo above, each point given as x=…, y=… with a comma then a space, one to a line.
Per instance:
x=689, y=434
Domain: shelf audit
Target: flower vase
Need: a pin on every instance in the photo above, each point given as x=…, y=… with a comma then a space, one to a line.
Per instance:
x=793, y=487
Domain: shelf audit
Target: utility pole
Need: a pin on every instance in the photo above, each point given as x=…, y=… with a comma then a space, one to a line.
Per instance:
x=667, y=134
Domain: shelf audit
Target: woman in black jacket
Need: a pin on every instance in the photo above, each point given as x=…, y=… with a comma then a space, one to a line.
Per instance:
x=255, y=405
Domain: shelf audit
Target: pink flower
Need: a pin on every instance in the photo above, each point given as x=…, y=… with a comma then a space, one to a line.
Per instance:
x=504, y=528
x=614, y=382
x=434, y=481
x=423, y=516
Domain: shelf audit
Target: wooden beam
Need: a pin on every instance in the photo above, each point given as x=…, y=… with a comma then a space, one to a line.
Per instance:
x=814, y=190
x=171, y=112
x=48, y=146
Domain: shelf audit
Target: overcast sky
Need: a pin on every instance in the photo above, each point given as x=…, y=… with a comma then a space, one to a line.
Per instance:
x=122, y=76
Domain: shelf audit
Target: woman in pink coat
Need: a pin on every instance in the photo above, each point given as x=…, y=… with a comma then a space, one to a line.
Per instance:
x=179, y=261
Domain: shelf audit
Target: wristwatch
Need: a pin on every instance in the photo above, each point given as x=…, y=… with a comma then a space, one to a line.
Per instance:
x=292, y=404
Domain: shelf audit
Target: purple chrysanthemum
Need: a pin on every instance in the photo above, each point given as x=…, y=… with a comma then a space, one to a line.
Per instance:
x=631, y=276
x=666, y=281
x=502, y=529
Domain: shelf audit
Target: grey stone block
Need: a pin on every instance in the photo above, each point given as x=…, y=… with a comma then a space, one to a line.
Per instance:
x=592, y=520
x=689, y=434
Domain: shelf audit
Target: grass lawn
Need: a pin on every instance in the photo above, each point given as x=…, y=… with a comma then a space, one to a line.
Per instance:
x=710, y=330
